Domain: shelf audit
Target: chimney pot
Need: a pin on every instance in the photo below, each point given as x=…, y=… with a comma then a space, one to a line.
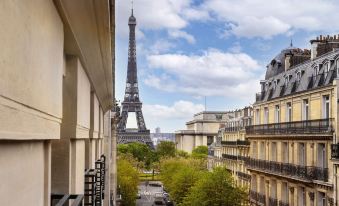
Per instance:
x=321, y=37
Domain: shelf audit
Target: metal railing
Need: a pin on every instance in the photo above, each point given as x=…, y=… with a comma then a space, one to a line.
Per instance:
x=307, y=173
x=257, y=197
x=95, y=183
x=244, y=176
x=296, y=127
x=335, y=151
x=231, y=157
x=282, y=203
x=63, y=200
x=272, y=201
x=237, y=142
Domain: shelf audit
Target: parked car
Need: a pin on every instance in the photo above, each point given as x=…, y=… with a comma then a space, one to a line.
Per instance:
x=159, y=199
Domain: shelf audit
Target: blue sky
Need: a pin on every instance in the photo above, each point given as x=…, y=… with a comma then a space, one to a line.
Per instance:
x=191, y=49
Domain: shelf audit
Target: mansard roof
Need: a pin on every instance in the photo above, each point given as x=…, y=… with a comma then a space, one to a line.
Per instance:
x=286, y=83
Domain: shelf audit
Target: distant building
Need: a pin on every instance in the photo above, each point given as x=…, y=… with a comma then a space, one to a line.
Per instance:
x=202, y=130
x=232, y=147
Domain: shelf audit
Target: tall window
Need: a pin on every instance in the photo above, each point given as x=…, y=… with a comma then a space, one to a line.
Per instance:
x=326, y=107
x=337, y=67
x=254, y=183
x=321, y=199
x=321, y=159
x=273, y=151
x=288, y=112
x=257, y=116
x=301, y=196
x=284, y=192
x=255, y=150
x=262, y=185
x=316, y=70
x=305, y=109
x=262, y=151
x=284, y=148
x=266, y=113
x=298, y=75
x=273, y=189
x=326, y=69
x=277, y=114
x=302, y=154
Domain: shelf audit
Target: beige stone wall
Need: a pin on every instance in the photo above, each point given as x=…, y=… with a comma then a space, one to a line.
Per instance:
x=25, y=173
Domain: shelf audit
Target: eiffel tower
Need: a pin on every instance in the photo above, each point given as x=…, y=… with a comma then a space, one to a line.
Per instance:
x=132, y=101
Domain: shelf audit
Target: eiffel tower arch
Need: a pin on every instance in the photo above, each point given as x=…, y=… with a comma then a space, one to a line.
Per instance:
x=131, y=102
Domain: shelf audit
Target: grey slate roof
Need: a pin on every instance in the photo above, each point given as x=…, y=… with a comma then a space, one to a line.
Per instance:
x=309, y=80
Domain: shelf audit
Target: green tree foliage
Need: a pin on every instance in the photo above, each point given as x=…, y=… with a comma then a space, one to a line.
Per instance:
x=215, y=189
x=166, y=149
x=128, y=180
x=182, y=153
x=179, y=175
x=139, y=151
x=200, y=152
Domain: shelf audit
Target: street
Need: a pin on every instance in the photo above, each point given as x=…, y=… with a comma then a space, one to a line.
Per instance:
x=147, y=194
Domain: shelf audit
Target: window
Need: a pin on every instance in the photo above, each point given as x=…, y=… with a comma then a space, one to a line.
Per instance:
x=298, y=76
x=277, y=114
x=273, y=151
x=262, y=151
x=316, y=71
x=254, y=150
x=321, y=199
x=321, y=159
x=337, y=67
x=302, y=154
x=305, y=109
x=301, y=196
x=254, y=183
x=286, y=81
x=284, y=148
x=210, y=140
x=275, y=83
x=326, y=69
x=288, y=111
x=266, y=113
x=326, y=107
x=273, y=189
x=284, y=192
x=262, y=185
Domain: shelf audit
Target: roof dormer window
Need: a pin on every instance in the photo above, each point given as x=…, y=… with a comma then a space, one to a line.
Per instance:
x=316, y=71
x=298, y=76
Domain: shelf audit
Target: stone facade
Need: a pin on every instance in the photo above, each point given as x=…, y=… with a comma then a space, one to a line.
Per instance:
x=56, y=92
x=202, y=130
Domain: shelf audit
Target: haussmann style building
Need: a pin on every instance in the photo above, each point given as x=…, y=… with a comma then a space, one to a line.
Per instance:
x=56, y=93
x=294, y=125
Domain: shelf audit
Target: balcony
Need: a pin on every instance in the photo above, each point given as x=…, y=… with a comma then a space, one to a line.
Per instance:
x=244, y=176
x=335, y=151
x=282, y=203
x=304, y=173
x=257, y=197
x=298, y=127
x=236, y=143
x=272, y=201
x=230, y=157
x=62, y=199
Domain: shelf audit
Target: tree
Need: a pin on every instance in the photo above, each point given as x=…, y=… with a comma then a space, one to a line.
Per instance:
x=166, y=149
x=128, y=180
x=182, y=153
x=139, y=151
x=215, y=188
x=200, y=152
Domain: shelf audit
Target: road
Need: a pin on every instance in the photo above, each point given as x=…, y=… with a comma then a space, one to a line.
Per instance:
x=147, y=194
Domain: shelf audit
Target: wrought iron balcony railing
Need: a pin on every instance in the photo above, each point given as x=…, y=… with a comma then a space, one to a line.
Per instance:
x=272, y=201
x=297, y=127
x=257, y=197
x=335, y=151
x=306, y=173
x=95, y=183
x=231, y=157
x=244, y=176
x=282, y=203
x=62, y=199
x=236, y=143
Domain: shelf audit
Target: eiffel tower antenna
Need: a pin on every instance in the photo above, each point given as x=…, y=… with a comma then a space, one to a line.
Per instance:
x=132, y=6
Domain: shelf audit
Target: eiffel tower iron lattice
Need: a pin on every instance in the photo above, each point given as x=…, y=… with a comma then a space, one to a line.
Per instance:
x=131, y=102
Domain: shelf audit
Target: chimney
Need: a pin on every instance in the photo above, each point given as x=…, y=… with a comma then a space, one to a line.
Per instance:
x=262, y=83
x=288, y=58
x=314, y=46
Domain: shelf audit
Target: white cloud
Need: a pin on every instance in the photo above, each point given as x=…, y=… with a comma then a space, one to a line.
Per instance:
x=214, y=73
x=179, y=110
x=182, y=34
x=262, y=18
x=161, y=45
